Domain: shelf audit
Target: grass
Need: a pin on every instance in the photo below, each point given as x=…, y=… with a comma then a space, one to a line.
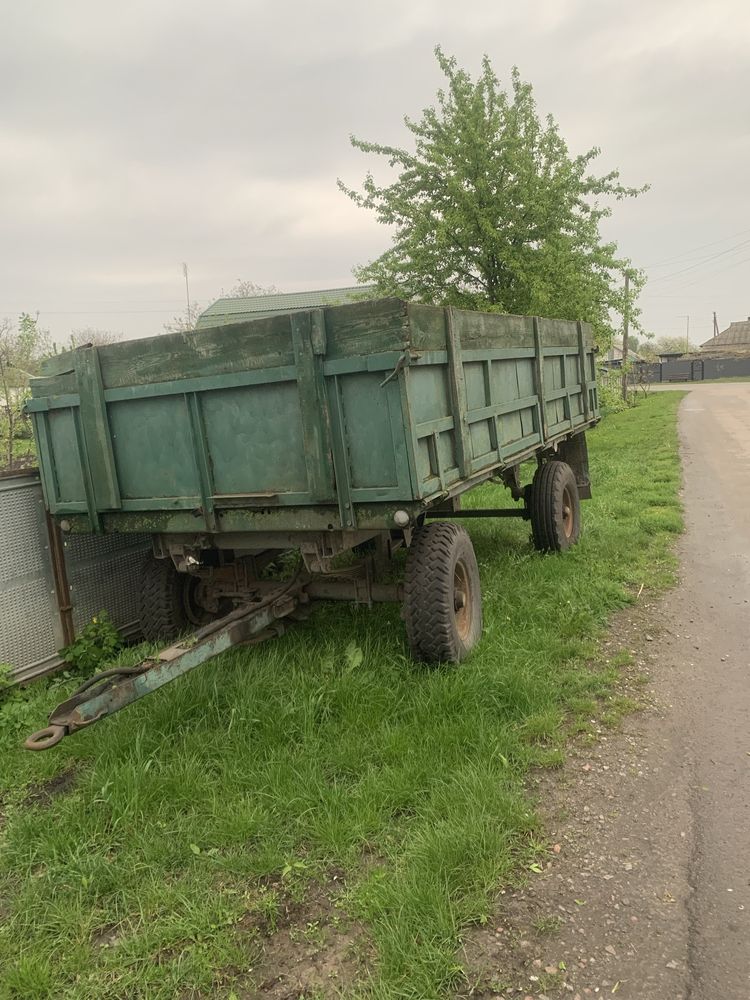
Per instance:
x=327, y=749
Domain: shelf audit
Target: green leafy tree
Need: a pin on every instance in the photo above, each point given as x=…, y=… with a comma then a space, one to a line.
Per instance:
x=668, y=345
x=21, y=346
x=491, y=211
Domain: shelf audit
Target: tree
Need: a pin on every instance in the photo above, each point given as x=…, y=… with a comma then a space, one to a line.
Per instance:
x=249, y=290
x=186, y=320
x=665, y=345
x=21, y=347
x=92, y=335
x=86, y=335
x=490, y=210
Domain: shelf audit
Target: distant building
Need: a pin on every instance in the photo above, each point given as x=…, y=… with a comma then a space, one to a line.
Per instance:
x=732, y=342
x=229, y=310
x=665, y=356
x=613, y=357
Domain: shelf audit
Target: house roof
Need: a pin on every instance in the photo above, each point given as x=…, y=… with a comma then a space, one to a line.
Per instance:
x=235, y=310
x=736, y=336
x=615, y=352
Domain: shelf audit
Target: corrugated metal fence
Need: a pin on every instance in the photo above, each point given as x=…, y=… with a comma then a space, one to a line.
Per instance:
x=690, y=369
x=102, y=573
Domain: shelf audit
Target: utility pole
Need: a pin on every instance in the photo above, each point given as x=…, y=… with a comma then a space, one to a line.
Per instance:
x=187, y=293
x=625, y=325
x=686, y=316
x=716, y=325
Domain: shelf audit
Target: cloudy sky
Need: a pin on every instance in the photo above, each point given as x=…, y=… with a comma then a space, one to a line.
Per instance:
x=135, y=136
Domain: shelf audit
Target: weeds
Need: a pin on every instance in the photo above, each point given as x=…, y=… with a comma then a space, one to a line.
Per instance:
x=94, y=645
x=548, y=924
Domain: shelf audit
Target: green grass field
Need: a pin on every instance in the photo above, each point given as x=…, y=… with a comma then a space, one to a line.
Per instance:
x=159, y=853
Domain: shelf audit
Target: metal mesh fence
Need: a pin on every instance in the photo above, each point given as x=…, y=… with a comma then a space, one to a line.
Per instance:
x=103, y=573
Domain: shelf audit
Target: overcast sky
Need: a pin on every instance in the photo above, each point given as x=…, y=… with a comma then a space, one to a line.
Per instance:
x=135, y=136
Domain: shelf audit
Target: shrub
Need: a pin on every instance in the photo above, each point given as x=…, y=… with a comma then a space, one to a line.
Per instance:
x=97, y=642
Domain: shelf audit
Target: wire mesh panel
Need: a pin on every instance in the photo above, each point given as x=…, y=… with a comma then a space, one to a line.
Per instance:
x=103, y=574
x=30, y=632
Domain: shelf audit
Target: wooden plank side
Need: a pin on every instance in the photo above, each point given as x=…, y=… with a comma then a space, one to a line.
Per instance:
x=46, y=462
x=308, y=337
x=364, y=328
x=58, y=364
x=456, y=380
x=478, y=331
x=426, y=328
x=539, y=378
x=494, y=330
x=340, y=460
x=95, y=426
x=85, y=467
x=325, y=360
x=558, y=333
x=240, y=347
x=53, y=385
x=202, y=459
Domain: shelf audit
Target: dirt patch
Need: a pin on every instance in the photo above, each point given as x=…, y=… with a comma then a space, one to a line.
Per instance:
x=108, y=936
x=309, y=945
x=565, y=932
x=44, y=794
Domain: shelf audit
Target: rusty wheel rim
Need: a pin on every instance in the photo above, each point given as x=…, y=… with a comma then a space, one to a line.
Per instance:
x=462, y=601
x=195, y=613
x=567, y=513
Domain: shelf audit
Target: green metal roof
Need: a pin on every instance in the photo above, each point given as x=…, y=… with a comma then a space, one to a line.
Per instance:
x=235, y=310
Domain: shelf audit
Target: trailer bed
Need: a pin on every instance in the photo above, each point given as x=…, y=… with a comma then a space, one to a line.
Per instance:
x=322, y=419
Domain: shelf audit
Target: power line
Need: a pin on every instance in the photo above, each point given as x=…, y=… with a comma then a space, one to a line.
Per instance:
x=700, y=263
x=126, y=300
x=96, y=312
x=688, y=253
x=690, y=282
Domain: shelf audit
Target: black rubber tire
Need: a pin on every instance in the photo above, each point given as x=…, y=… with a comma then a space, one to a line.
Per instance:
x=162, y=607
x=440, y=567
x=554, y=507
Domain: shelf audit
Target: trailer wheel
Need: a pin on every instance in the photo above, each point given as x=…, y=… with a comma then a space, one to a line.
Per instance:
x=167, y=605
x=442, y=594
x=554, y=507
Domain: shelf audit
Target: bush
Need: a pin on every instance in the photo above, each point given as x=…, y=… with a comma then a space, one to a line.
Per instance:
x=97, y=642
x=610, y=393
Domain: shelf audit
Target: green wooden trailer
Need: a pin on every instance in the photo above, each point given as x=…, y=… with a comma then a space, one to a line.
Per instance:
x=329, y=431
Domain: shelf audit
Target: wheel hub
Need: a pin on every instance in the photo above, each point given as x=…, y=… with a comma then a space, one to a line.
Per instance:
x=567, y=514
x=462, y=600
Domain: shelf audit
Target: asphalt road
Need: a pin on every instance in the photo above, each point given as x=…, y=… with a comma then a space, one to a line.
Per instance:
x=649, y=890
x=710, y=687
x=681, y=833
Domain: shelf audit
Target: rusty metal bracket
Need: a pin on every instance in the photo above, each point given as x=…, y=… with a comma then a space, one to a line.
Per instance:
x=403, y=362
